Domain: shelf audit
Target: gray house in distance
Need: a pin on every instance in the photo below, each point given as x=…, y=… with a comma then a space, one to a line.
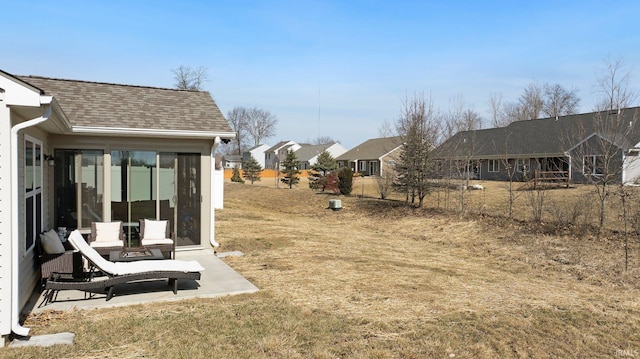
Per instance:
x=574, y=147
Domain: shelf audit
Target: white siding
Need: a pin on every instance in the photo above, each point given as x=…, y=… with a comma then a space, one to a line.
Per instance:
x=631, y=169
x=5, y=220
x=29, y=271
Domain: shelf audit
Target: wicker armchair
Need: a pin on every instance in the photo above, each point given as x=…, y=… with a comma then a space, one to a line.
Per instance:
x=106, y=237
x=68, y=262
x=157, y=234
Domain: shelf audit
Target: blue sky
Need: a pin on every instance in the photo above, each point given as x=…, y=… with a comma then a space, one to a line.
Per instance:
x=333, y=68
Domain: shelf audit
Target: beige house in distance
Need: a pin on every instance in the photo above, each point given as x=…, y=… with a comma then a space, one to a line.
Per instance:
x=374, y=157
x=75, y=152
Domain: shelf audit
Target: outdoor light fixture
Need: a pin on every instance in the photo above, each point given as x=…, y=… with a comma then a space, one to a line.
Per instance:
x=50, y=160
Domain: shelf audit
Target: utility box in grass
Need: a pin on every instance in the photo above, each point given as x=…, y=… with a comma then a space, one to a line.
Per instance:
x=335, y=204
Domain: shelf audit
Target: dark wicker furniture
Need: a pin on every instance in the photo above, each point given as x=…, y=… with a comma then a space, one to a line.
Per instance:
x=69, y=262
x=100, y=266
x=136, y=254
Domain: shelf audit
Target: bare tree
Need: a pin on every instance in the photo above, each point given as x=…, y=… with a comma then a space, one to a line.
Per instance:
x=558, y=101
x=324, y=140
x=190, y=79
x=459, y=118
x=238, y=118
x=531, y=102
x=471, y=120
x=613, y=86
x=549, y=100
x=515, y=112
x=261, y=124
x=419, y=129
x=386, y=129
x=462, y=165
x=499, y=117
x=384, y=185
x=536, y=197
x=509, y=167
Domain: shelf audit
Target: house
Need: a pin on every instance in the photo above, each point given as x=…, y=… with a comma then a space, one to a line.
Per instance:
x=274, y=155
x=572, y=148
x=257, y=152
x=308, y=154
x=374, y=157
x=73, y=152
x=232, y=161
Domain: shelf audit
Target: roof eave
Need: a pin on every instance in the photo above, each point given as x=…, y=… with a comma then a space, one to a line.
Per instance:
x=147, y=132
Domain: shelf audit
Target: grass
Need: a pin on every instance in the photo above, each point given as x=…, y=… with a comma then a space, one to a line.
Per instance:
x=380, y=280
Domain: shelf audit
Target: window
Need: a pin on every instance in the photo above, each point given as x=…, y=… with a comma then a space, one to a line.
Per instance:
x=32, y=190
x=494, y=166
x=593, y=165
x=363, y=166
x=373, y=168
x=522, y=165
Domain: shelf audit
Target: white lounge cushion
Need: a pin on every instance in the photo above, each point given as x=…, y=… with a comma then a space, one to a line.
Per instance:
x=51, y=243
x=156, y=266
x=155, y=229
x=108, y=231
x=105, y=244
x=151, y=242
x=121, y=268
x=78, y=242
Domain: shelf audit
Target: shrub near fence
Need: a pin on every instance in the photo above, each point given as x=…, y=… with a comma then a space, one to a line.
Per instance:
x=267, y=173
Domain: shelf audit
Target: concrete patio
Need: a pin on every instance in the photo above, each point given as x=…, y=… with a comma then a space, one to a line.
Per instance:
x=218, y=279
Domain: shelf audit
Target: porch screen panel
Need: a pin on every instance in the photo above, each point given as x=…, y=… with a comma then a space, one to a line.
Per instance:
x=188, y=199
x=167, y=181
x=92, y=187
x=133, y=190
x=78, y=188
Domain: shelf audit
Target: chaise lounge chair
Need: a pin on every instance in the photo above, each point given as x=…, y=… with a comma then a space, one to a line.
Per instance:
x=117, y=273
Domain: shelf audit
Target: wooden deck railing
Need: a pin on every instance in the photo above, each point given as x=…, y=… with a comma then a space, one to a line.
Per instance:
x=550, y=176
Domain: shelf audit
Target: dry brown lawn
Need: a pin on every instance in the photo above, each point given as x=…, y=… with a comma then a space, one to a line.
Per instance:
x=381, y=280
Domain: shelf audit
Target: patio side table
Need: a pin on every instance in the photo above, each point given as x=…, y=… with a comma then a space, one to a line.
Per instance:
x=135, y=254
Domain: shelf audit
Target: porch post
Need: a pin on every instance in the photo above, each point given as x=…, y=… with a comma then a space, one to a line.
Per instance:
x=216, y=191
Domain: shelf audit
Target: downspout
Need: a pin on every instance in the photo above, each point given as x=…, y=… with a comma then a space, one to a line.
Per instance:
x=623, y=167
x=15, y=233
x=570, y=165
x=212, y=235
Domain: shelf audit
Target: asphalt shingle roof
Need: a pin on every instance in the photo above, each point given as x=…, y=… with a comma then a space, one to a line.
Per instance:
x=307, y=152
x=96, y=104
x=371, y=149
x=538, y=138
x=277, y=146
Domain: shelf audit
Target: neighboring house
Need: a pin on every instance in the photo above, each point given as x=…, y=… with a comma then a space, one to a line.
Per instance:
x=274, y=155
x=374, y=157
x=308, y=154
x=232, y=161
x=73, y=152
x=257, y=152
x=567, y=147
